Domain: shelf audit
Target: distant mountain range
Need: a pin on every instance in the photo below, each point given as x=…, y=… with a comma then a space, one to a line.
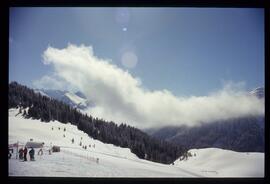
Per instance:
x=76, y=100
x=242, y=134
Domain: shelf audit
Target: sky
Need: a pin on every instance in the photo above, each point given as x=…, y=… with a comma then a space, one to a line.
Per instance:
x=169, y=59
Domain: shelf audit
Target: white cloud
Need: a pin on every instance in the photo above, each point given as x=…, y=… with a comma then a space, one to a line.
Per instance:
x=53, y=82
x=120, y=97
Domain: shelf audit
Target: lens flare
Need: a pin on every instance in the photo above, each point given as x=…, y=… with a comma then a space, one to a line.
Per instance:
x=129, y=59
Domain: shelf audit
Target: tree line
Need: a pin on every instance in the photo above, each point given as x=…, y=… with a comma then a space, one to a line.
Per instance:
x=47, y=109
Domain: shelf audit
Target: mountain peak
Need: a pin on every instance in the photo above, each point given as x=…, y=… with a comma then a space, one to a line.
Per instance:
x=73, y=99
x=259, y=92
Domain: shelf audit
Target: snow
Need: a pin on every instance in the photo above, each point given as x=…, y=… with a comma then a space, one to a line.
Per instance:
x=218, y=162
x=67, y=97
x=113, y=161
x=259, y=92
x=76, y=99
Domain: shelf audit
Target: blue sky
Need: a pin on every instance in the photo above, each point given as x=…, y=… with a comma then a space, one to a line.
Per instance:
x=188, y=51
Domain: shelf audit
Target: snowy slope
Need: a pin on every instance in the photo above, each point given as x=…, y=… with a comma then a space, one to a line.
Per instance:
x=214, y=162
x=73, y=160
x=113, y=161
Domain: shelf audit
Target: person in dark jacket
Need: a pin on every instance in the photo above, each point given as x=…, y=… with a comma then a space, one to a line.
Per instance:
x=21, y=154
x=32, y=154
x=9, y=154
x=25, y=154
x=40, y=152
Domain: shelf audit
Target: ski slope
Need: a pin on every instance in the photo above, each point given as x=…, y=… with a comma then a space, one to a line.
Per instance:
x=107, y=160
x=214, y=162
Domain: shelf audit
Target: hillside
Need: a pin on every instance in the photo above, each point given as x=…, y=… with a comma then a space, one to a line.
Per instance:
x=73, y=160
x=213, y=162
x=114, y=161
x=243, y=135
x=47, y=109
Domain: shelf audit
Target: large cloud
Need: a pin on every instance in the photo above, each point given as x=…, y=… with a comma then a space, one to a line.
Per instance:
x=53, y=82
x=120, y=97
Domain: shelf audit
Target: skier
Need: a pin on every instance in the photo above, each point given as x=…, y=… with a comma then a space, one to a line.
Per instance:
x=9, y=154
x=32, y=153
x=21, y=154
x=72, y=140
x=40, y=152
x=50, y=149
x=25, y=154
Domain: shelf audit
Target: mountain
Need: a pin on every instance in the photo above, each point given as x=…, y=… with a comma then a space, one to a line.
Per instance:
x=259, y=92
x=107, y=160
x=75, y=100
x=33, y=105
x=111, y=150
x=244, y=134
x=97, y=160
x=80, y=94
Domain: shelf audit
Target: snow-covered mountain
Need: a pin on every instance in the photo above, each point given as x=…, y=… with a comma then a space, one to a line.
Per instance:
x=107, y=160
x=77, y=99
x=259, y=92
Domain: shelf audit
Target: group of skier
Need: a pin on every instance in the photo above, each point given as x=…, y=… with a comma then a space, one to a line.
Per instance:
x=23, y=154
x=83, y=146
